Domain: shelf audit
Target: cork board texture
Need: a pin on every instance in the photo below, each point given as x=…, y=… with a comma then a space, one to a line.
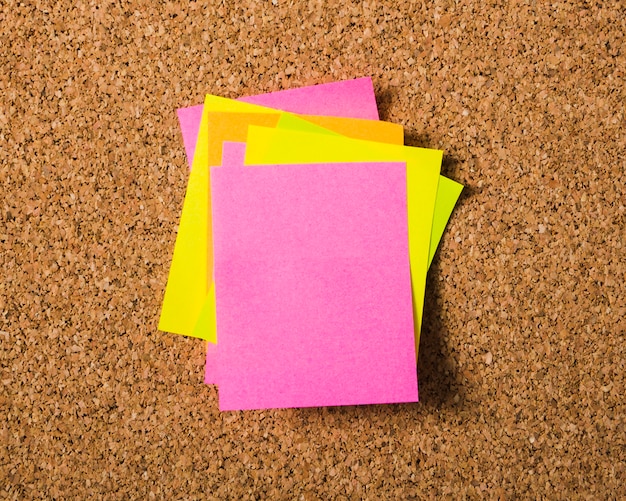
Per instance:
x=522, y=356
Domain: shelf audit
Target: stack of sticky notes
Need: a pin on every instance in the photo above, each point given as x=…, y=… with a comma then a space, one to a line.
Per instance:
x=303, y=246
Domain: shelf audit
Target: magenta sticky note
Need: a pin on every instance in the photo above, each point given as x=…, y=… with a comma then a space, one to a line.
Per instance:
x=233, y=154
x=349, y=98
x=189, y=122
x=313, y=290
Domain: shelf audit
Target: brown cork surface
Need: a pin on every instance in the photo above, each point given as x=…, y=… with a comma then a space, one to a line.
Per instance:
x=522, y=359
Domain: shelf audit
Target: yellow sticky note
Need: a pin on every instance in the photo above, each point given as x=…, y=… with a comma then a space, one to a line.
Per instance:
x=355, y=128
x=187, y=283
x=448, y=190
x=233, y=126
x=269, y=146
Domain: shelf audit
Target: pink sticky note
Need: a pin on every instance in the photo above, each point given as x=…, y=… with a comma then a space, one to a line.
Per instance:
x=313, y=288
x=233, y=154
x=357, y=101
x=189, y=122
x=348, y=98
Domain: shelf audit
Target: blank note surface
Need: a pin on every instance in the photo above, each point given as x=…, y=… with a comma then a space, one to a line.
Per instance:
x=313, y=289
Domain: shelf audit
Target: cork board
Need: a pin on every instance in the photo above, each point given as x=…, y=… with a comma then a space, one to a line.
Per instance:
x=522, y=354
